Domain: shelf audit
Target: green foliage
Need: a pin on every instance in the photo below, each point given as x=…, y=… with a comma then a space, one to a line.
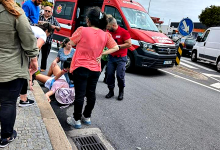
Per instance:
x=46, y=3
x=210, y=16
x=18, y=4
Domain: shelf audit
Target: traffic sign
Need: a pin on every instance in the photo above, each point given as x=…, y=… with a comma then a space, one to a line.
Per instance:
x=185, y=27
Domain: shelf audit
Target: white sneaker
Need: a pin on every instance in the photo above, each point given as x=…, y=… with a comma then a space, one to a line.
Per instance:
x=76, y=124
x=86, y=121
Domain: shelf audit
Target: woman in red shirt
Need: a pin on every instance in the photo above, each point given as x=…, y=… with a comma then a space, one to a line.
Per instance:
x=86, y=67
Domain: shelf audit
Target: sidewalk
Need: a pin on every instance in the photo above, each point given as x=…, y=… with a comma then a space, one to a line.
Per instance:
x=32, y=133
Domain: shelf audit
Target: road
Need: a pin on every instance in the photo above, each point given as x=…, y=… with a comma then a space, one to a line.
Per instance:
x=167, y=109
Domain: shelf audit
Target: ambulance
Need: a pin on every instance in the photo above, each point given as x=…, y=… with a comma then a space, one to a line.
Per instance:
x=150, y=48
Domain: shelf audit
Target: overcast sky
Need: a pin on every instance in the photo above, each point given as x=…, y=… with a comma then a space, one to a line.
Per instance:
x=176, y=10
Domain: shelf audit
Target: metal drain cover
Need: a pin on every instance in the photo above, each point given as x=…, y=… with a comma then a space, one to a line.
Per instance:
x=89, y=142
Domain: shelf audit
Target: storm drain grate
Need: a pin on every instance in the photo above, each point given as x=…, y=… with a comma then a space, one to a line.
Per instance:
x=90, y=142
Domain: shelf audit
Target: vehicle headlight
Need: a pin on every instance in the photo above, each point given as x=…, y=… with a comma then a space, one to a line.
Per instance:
x=147, y=46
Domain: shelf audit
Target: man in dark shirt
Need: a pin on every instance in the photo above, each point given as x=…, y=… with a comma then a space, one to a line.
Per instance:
x=117, y=60
x=45, y=50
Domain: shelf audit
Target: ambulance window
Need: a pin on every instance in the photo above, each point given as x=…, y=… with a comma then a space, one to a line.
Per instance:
x=115, y=13
x=63, y=10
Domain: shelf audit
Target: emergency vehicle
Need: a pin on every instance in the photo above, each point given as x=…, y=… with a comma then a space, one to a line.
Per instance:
x=150, y=48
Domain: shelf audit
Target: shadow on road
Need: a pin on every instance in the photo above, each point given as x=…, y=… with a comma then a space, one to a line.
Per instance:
x=147, y=72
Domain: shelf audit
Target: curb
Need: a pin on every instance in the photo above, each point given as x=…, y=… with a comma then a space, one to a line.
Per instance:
x=58, y=138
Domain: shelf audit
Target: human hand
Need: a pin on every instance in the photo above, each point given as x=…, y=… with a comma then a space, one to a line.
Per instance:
x=52, y=82
x=53, y=26
x=33, y=65
x=48, y=98
x=30, y=85
x=98, y=59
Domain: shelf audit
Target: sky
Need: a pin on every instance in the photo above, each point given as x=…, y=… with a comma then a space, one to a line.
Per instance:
x=176, y=10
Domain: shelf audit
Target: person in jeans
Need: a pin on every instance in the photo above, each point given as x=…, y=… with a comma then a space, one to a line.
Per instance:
x=117, y=60
x=17, y=45
x=85, y=66
x=45, y=50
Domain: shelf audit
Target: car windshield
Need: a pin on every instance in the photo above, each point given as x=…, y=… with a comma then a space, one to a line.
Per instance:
x=139, y=19
x=190, y=41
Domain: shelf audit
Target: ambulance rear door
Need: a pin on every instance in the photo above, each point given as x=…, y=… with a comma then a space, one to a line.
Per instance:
x=65, y=12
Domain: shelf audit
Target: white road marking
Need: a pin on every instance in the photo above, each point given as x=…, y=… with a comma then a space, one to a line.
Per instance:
x=53, y=51
x=212, y=75
x=188, y=66
x=216, y=85
x=190, y=80
x=196, y=65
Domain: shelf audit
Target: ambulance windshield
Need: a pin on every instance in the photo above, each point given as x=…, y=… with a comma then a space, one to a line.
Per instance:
x=139, y=19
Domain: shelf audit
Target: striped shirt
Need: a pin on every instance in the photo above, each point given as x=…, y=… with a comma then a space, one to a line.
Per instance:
x=52, y=20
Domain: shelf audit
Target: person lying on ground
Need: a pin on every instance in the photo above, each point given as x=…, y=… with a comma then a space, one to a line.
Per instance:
x=58, y=84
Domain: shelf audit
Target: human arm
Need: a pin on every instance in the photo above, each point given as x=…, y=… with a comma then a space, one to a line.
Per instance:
x=56, y=60
x=40, y=43
x=75, y=38
x=127, y=44
x=56, y=25
x=48, y=94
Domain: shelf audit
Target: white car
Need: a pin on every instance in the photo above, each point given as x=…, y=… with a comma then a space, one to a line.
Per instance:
x=207, y=47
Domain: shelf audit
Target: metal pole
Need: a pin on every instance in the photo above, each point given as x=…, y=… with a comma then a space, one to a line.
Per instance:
x=149, y=7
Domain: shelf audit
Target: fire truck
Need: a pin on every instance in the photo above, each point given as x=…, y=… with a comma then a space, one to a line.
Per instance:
x=150, y=48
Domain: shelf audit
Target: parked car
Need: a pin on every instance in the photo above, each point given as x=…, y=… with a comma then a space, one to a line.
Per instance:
x=208, y=47
x=188, y=46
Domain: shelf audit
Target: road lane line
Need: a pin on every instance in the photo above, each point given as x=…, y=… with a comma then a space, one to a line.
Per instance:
x=212, y=76
x=188, y=66
x=190, y=80
x=216, y=85
x=196, y=65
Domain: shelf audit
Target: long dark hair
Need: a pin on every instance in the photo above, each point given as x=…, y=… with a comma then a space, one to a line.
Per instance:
x=97, y=18
x=65, y=41
x=46, y=26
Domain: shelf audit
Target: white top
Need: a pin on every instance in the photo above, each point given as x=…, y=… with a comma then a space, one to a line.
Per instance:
x=39, y=33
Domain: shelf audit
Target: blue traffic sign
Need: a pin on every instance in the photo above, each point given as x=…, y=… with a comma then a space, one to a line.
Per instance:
x=185, y=27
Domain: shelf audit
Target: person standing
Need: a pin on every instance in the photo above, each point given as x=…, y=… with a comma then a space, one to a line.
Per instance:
x=117, y=60
x=85, y=66
x=32, y=10
x=17, y=46
x=45, y=50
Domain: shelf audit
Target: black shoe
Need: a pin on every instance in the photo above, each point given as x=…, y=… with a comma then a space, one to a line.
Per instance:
x=110, y=93
x=5, y=142
x=121, y=94
x=26, y=104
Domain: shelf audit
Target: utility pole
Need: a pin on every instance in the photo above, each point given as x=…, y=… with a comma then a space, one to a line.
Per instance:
x=149, y=7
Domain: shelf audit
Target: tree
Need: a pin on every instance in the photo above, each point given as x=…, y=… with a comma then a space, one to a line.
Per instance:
x=210, y=16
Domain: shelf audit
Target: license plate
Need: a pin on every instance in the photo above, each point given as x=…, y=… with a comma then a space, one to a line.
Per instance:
x=167, y=62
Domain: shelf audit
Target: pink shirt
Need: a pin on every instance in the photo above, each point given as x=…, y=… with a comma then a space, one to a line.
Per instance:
x=90, y=43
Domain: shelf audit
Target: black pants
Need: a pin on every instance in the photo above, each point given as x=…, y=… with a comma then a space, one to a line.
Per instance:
x=9, y=92
x=85, y=82
x=24, y=88
x=45, y=51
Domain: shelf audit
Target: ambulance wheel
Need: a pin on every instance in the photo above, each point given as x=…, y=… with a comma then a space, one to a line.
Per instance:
x=194, y=56
x=218, y=65
x=130, y=62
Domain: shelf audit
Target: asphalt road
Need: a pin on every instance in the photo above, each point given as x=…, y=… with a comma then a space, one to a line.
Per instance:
x=166, y=109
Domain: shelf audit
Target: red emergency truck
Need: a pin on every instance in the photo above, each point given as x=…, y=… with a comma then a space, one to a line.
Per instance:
x=150, y=48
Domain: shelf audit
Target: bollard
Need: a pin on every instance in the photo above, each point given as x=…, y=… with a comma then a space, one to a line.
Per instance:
x=179, y=54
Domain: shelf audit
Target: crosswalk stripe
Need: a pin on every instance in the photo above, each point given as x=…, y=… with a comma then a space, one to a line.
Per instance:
x=216, y=85
x=196, y=65
x=186, y=65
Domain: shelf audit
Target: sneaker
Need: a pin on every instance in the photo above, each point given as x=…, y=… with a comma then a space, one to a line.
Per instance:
x=5, y=142
x=26, y=103
x=76, y=124
x=14, y=135
x=86, y=121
